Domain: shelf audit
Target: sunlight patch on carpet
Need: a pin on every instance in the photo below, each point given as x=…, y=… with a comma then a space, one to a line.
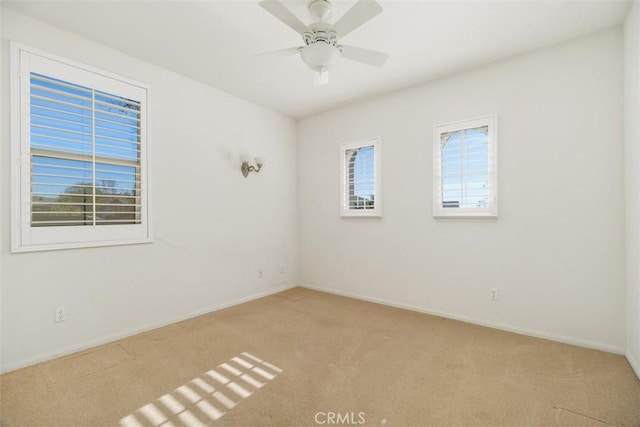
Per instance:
x=208, y=397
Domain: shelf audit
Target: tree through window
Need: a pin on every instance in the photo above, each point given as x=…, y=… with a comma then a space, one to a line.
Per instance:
x=80, y=164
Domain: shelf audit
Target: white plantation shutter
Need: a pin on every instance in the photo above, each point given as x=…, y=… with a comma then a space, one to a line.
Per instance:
x=360, y=172
x=82, y=143
x=85, y=156
x=465, y=169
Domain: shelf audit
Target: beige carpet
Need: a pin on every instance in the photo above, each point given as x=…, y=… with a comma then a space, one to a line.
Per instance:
x=305, y=358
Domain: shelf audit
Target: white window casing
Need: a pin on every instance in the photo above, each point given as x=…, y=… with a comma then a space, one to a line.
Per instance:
x=465, y=181
x=360, y=178
x=79, y=155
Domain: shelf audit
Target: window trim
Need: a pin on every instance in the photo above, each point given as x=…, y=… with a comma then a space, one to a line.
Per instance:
x=80, y=236
x=491, y=212
x=376, y=212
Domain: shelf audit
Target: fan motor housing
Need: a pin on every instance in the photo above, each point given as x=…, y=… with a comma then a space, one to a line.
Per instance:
x=320, y=32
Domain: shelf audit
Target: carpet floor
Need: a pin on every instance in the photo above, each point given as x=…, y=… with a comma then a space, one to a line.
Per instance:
x=307, y=358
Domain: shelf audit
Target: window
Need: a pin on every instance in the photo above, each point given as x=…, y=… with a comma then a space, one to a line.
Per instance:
x=79, y=163
x=360, y=170
x=465, y=182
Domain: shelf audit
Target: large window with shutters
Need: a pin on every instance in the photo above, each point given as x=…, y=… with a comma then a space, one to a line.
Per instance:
x=79, y=155
x=465, y=181
x=360, y=178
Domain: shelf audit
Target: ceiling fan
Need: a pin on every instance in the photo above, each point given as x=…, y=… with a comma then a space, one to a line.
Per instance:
x=321, y=48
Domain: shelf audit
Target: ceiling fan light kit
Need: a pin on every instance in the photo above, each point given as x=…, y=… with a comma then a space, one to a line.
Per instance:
x=321, y=49
x=319, y=57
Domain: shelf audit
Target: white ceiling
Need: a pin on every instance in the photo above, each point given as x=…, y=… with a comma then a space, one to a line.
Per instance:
x=216, y=42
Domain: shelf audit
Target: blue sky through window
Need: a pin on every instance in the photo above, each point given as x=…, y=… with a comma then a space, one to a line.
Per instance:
x=363, y=171
x=83, y=142
x=465, y=169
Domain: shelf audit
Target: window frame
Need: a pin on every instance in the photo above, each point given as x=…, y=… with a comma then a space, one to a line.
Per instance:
x=491, y=211
x=345, y=211
x=24, y=236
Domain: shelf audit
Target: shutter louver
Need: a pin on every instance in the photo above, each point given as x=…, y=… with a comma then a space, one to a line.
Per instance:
x=85, y=155
x=465, y=181
x=360, y=173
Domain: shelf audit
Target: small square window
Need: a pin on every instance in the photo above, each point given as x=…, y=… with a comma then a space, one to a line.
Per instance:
x=465, y=184
x=360, y=178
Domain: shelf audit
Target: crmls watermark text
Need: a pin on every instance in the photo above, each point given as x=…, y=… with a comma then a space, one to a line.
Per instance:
x=335, y=418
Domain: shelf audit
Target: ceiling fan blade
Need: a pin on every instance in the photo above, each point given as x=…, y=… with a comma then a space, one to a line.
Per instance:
x=281, y=12
x=360, y=13
x=281, y=53
x=366, y=56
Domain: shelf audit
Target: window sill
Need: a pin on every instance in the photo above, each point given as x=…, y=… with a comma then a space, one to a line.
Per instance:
x=466, y=217
x=361, y=215
x=78, y=245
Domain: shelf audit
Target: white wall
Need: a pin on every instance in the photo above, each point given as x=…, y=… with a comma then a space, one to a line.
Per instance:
x=556, y=253
x=632, y=157
x=214, y=228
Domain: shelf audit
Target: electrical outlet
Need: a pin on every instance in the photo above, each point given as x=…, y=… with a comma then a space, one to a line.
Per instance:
x=260, y=274
x=493, y=292
x=281, y=268
x=60, y=314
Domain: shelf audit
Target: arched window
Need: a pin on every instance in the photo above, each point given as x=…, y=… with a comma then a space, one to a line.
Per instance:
x=360, y=177
x=465, y=172
x=465, y=181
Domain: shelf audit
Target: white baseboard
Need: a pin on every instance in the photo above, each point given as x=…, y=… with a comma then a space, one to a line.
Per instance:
x=508, y=328
x=633, y=362
x=12, y=366
x=130, y=332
